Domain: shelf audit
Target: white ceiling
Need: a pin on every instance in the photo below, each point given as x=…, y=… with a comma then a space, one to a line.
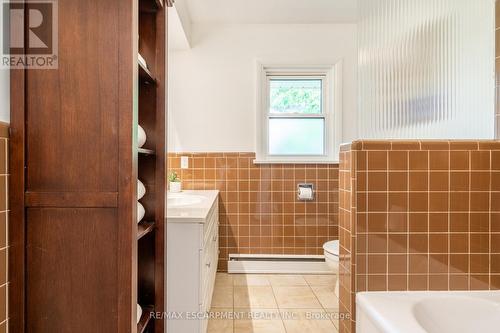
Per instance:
x=272, y=11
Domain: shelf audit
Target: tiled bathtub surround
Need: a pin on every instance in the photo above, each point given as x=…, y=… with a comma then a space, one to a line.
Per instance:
x=347, y=216
x=4, y=138
x=418, y=215
x=259, y=211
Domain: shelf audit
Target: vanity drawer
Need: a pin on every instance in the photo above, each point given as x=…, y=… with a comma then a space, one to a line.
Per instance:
x=212, y=219
x=209, y=269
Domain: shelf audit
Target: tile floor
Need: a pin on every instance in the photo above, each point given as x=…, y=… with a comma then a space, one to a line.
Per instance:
x=274, y=304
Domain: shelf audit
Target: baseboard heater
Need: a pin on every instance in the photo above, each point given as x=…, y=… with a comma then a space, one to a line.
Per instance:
x=277, y=264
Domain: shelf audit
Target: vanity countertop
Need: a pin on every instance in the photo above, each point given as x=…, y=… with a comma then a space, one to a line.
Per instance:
x=190, y=206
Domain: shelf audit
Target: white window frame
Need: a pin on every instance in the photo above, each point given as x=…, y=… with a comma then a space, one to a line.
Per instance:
x=331, y=104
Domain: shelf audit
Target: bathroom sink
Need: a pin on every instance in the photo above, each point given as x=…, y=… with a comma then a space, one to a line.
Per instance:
x=183, y=200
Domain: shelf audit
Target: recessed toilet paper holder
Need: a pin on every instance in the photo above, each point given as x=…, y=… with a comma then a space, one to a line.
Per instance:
x=307, y=187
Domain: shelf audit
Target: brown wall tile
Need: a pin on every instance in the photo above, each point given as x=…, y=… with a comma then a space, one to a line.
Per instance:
x=4, y=213
x=377, y=160
x=427, y=217
x=259, y=212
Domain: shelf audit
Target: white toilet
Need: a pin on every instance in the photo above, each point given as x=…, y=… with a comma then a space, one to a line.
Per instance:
x=331, y=251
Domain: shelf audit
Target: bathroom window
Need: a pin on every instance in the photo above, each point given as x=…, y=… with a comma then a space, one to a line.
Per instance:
x=298, y=114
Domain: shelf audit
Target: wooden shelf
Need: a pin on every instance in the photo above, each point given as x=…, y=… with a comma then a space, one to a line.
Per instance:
x=145, y=319
x=146, y=151
x=145, y=74
x=144, y=228
x=151, y=115
x=159, y=4
x=152, y=6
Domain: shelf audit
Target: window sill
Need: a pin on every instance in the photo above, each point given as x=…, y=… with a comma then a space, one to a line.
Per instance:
x=294, y=162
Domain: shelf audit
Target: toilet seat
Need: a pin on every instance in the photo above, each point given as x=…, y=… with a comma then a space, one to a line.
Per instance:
x=332, y=247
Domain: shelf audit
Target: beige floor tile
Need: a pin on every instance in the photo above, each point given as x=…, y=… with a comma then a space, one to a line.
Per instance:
x=222, y=313
x=321, y=280
x=308, y=321
x=220, y=326
x=334, y=313
x=258, y=321
x=250, y=280
x=296, y=298
x=287, y=280
x=222, y=297
x=256, y=314
x=326, y=296
x=221, y=321
x=224, y=280
x=259, y=326
x=254, y=297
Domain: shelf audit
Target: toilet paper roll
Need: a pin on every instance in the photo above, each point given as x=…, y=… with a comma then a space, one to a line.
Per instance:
x=139, y=313
x=141, y=190
x=305, y=193
x=140, y=212
x=141, y=137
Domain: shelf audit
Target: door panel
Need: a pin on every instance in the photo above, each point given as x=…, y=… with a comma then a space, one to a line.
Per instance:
x=71, y=270
x=72, y=112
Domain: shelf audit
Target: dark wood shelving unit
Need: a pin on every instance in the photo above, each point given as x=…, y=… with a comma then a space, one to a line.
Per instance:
x=153, y=5
x=159, y=4
x=144, y=228
x=145, y=75
x=146, y=151
x=74, y=202
x=145, y=319
x=151, y=160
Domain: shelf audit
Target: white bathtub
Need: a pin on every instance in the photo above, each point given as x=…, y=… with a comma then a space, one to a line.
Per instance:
x=428, y=312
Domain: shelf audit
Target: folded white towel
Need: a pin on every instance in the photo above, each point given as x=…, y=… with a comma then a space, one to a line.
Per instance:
x=139, y=313
x=142, y=60
x=141, y=190
x=141, y=137
x=140, y=212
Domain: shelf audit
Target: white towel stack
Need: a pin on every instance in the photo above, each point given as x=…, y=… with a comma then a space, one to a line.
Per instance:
x=139, y=313
x=140, y=212
x=142, y=61
x=141, y=189
x=141, y=136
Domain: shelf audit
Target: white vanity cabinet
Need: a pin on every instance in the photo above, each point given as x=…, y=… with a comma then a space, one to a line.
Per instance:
x=192, y=256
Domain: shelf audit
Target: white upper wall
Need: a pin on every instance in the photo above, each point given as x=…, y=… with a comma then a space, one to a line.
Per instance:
x=179, y=26
x=5, y=95
x=212, y=86
x=4, y=86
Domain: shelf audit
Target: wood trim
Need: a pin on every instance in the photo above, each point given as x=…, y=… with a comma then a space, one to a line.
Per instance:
x=71, y=199
x=17, y=234
x=127, y=172
x=160, y=171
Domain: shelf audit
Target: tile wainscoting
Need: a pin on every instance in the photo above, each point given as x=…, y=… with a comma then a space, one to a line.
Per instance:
x=259, y=211
x=4, y=217
x=418, y=215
